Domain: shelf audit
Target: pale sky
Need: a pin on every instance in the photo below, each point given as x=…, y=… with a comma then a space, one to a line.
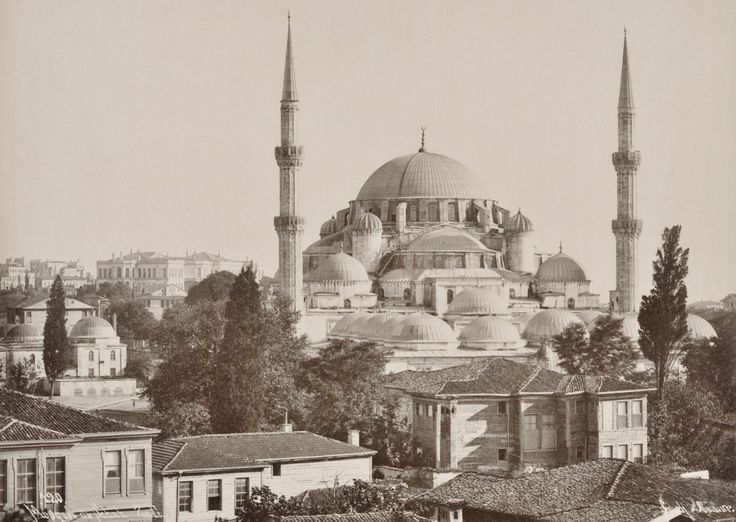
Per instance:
x=151, y=124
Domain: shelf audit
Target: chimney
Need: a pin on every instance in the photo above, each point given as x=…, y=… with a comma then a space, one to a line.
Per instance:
x=115, y=322
x=286, y=428
x=354, y=437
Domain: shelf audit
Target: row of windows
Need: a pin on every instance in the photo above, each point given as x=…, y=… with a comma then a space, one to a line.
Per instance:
x=214, y=494
x=427, y=410
x=26, y=483
x=622, y=452
x=91, y=356
x=91, y=372
x=141, y=273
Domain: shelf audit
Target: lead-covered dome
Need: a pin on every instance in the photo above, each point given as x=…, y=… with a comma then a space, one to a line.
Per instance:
x=699, y=328
x=519, y=223
x=368, y=222
x=329, y=227
x=423, y=175
x=561, y=268
x=488, y=328
x=422, y=328
x=478, y=301
x=549, y=323
x=23, y=332
x=338, y=267
x=372, y=329
x=92, y=328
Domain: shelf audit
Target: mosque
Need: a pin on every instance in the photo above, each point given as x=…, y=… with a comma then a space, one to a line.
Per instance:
x=427, y=264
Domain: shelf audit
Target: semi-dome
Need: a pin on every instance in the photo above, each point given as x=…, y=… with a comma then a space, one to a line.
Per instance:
x=478, y=301
x=23, y=332
x=589, y=317
x=549, y=323
x=328, y=227
x=423, y=175
x=338, y=267
x=561, y=268
x=92, y=328
x=368, y=222
x=422, y=328
x=372, y=329
x=489, y=328
x=446, y=239
x=519, y=223
x=699, y=328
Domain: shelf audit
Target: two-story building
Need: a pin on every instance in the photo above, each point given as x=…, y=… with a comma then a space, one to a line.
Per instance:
x=33, y=311
x=203, y=477
x=59, y=459
x=502, y=415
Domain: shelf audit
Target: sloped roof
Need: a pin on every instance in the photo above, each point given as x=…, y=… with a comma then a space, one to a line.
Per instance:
x=603, y=489
x=39, y=303
x=246, y=450
x=12, y=430
x=376, y=516
x=57, y=417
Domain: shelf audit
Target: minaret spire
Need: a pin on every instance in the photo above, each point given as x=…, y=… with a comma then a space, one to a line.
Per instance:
x=289, y=226
x=626, y=227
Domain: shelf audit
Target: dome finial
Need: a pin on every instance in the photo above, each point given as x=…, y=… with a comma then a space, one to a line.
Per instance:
x=421, y=149
x=560, y=247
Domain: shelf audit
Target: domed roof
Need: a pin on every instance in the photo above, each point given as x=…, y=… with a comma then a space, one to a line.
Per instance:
x=328, y=227
x=92, y=327
x=446, y=239
x=699, y=328
x=338, y=267
x=489, y=328
x=368, y=221
x=355, y=327
x=548, y=323
x=589, y=317
x=422, y=328
x=340, y=329
x=423, y=175
x=519, y=223
x=388, y=327
x=372, y=329
x=561, y=268
x=23, y=332
x=478, y=301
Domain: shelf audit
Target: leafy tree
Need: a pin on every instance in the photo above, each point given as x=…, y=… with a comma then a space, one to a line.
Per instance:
x=139, y=368
x=256, y=361
x=134, y=321
x=390, y=437
x=712, y=365
x=57, y=354
x=214, y=287
x=663, y=314
x=607, y=351
x=119, y=291
x=183, y=419
x=263, y=504
x=22, y=376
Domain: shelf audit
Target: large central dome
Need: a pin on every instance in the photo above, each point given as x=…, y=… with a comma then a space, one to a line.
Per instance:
x=423, y=175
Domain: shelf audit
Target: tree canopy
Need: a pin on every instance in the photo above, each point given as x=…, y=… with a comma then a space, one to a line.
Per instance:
x=663, y=314
x=134, y=321
x=214, y=287
x=57, y=354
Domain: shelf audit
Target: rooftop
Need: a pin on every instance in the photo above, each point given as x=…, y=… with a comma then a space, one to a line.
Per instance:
x=39, y=303
x=376, y=516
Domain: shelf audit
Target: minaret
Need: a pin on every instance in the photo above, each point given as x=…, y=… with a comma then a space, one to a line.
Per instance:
x=289, y=226
x=626, y=227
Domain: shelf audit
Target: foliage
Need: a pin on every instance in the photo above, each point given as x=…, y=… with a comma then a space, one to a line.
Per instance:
x=57, y=354
x=134, y=321
x=712, y=365
x=214, y=287
x=390, y=437
x=22, y=376
x=678, y=426
x=663, y=314
x=257, y=360
x=182, y=419
x=607, y=351
x=262, y=504
x=119, y=291
x=643, y=377
x=137, y=367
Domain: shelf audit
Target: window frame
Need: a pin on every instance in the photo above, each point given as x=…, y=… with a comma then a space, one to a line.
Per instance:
x=276, y=469
x=502, y=455
x=634, y=458
x=190, y=497
x=236, y=483
x=19, y=475
x=210, y=496
x=618, y=451
x=579, y=406
x=63, y=486
x=502, y=408
x=637, y=418
x=622, y=417
x=105, y=491
x=605, y=447
x=129, y=472
x=3, y=481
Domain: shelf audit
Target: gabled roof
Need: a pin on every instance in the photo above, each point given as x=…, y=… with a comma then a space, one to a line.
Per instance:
x=603, y=489
x=63, y=419
x=13, y=430
x=247, y=450
x=39, y=303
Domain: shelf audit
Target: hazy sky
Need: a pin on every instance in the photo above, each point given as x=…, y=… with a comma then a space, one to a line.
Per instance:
x=151, y=124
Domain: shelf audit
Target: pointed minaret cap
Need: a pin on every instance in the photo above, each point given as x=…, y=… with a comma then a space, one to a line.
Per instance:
x=289, y=91
x=625, y=94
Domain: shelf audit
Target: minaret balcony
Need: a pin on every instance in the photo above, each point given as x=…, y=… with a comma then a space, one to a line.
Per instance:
x=627, y=158
x=288, y=223
x=626, y=226
x=289, y=155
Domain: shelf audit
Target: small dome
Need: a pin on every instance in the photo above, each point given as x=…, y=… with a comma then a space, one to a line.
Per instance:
x=372, y=329
x=92, y=327
x=519, y=223
x=422, y=328
x=368, y=222
x=478, y=301
x=549, y=323
x=489, y=328
x=338, y=267
x=589, y=317
x=388, y=327
x=355, y=328
x=340, y=329
x=699, y=328
x=328, y=227
x=561, y=268
x=23, y=332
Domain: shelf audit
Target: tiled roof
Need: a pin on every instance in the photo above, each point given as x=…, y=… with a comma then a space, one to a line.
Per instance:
x=377, y=516
x=56, y=417
x=430, y=382
x=12, y=430
x=604, y=489
x=242, y=450
x=39, y=303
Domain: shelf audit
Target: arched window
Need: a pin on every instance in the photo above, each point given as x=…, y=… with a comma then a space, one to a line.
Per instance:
x=407, y=294
x=91, y=356
x=452, y=211
x=347, y=303
x=120, y=272
x=112, y=355
x=450, y=296
x=32, y=358
x=127, y=272
x=571, y=303
x=512, y=293
x=419, y=262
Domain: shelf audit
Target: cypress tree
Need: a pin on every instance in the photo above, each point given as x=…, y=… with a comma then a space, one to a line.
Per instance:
x=57, y=355
x=663, y=314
